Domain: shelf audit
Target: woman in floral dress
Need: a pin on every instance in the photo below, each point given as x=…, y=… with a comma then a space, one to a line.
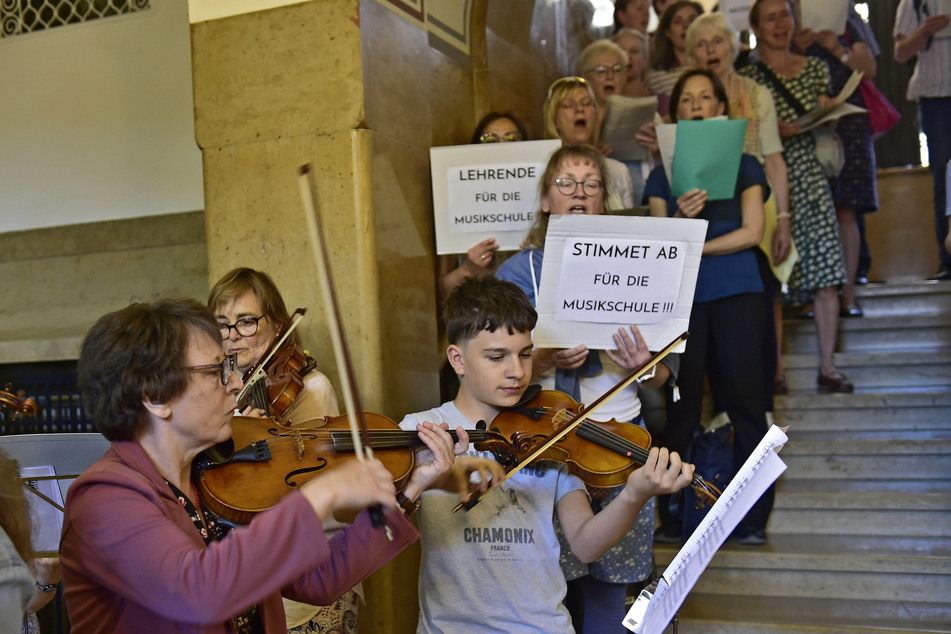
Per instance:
x=821, y=268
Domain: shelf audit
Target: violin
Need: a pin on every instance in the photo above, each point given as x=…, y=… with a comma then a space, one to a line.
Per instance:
x=273, y=459
x=602, y=455
x=17, y=403
x=575, y=420
x=274, y=384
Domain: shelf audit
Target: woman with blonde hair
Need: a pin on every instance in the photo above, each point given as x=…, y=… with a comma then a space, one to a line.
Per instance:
x=27, y=584
x=570, y=113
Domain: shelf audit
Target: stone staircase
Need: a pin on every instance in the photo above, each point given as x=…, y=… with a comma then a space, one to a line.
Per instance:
x=860, y=536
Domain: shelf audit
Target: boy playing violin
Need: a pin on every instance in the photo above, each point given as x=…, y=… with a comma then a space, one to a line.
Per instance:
x=507, y=544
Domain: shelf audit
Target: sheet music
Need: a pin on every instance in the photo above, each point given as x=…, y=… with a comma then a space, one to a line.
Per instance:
x=835, y=110
x=623, y=118
x=652, y=612
x=47, y=519
x=943, y=8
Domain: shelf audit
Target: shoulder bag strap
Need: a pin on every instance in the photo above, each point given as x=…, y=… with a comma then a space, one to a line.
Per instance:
x=784, y=92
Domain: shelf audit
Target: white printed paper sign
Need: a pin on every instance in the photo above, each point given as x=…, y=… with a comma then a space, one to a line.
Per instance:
x=737, y=12
x=602, y=273
x=609, y=280
x=486, y=191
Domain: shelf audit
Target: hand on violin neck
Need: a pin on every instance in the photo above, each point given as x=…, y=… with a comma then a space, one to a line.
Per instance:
x=352, y=486
x=435, y=462
x=253, y=412
x=663, y=473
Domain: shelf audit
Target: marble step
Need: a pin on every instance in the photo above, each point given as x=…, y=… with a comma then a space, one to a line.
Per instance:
x=869, y=371
x=910, y=409
x=902, y=455
x=707, y=613
x=916, y=298
x=914, y=570
x=874, y=334
x=862, y=507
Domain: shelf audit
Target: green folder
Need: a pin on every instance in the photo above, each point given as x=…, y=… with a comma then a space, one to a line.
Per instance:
x=707, y=157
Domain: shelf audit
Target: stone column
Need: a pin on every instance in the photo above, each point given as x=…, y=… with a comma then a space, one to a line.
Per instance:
x=278, y=88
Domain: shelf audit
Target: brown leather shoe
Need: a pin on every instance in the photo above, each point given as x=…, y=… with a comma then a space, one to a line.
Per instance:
x=834, y=383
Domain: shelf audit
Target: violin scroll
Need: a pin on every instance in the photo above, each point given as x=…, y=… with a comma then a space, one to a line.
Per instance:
x=18, y=403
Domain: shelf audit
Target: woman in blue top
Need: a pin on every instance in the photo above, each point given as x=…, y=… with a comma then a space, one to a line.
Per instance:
x=728, y=321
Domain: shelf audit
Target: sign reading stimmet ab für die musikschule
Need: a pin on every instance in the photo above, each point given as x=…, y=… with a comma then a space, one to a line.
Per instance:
x=602, y=273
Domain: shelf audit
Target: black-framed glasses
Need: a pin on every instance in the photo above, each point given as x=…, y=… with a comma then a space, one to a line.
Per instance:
x=569, y=186
x=492, y=137
x=224, y=369
x=602, y=70
x=246, y=326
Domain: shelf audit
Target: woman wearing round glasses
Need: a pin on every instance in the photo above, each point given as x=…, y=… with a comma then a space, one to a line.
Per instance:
x=251, y=314
x=605, y=65
x=575, y=182
x=142, y=552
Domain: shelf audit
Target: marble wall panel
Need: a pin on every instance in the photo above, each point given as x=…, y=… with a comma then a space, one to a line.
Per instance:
x=61, y=280
x=289, y=71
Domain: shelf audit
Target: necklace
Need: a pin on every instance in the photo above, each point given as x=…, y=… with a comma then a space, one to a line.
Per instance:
x=198, y=507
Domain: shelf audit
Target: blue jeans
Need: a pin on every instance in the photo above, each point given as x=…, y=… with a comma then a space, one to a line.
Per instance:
x=934, y=114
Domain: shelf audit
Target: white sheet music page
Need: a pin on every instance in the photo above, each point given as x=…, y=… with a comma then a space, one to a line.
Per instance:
x=652, y=612
x=47, y=519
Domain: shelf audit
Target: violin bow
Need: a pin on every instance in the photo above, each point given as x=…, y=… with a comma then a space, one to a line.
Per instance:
x=348, y=383
x=583, y=415
x=258, y=372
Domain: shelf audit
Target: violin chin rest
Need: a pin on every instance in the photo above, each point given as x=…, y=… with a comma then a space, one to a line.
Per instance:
x=217, y=455
x=530, y=392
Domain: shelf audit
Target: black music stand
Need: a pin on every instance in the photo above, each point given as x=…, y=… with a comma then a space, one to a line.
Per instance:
x=66, y=455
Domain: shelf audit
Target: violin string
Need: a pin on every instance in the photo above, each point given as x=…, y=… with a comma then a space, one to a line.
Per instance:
x=623, y=446
x=342, y=440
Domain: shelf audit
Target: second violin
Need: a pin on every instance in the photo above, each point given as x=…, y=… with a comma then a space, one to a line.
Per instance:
x=256, y=326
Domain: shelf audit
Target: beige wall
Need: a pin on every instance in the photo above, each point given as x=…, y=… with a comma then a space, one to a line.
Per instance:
x=58, y=281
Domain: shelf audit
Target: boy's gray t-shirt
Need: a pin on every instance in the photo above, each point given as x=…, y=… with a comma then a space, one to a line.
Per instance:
x=494, y=568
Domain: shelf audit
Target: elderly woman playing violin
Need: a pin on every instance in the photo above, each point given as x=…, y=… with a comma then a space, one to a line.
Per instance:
x=252, y=315
x=141, y=553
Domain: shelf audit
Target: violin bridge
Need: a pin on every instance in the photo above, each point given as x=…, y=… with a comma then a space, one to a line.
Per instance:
x=299, y=443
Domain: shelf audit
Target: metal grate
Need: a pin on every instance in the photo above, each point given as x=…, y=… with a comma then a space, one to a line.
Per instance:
x=19, y=17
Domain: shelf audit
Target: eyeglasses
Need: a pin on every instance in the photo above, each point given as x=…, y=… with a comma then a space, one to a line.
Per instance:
x=568, y=186
x=603, y=70
x=246, y=326
x=225, y=368
x=571, y=82
x=492, y=137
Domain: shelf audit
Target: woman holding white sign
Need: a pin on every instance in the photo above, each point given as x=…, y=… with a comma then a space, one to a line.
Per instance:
x=575, y=182
x=728, y=319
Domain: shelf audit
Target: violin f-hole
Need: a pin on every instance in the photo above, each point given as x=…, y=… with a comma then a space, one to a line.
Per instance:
x=289, y=478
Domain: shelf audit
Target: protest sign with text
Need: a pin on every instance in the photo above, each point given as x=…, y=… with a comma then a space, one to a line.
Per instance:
x=737, y=12
x=488, y=190
x=601, y=273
